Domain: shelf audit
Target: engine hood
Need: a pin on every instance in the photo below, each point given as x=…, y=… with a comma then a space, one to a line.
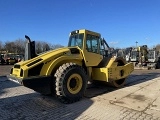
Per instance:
x=52, y=54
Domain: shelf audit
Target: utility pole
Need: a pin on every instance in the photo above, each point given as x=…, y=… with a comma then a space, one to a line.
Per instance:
x=136, y=43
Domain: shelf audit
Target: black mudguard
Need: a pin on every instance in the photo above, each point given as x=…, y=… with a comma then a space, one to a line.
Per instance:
x=42, y=84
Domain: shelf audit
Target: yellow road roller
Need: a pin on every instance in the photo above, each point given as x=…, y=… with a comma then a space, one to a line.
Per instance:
x=66, y=71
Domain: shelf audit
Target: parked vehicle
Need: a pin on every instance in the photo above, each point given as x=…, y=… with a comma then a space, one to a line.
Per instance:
x=66, y=71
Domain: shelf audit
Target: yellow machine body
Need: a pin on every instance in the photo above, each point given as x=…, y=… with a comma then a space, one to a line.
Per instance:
x=112, y=72
x=45, y=63
x=85, y=50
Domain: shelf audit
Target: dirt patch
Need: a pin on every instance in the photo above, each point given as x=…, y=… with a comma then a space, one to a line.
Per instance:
x=137, y=97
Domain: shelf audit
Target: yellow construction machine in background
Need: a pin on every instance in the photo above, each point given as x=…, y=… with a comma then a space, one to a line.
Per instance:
x=66, y=71
x=145, y=58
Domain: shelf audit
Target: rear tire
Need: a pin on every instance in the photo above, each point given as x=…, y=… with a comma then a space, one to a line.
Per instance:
x=71, y=82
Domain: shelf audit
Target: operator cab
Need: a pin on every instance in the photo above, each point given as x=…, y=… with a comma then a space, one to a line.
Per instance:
x=93, y=47
x=89, y=41
x=134, y=55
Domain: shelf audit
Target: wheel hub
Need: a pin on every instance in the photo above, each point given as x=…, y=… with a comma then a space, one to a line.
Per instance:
x=74, y=83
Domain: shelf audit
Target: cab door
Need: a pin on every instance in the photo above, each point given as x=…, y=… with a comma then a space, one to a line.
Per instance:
x=91, y=50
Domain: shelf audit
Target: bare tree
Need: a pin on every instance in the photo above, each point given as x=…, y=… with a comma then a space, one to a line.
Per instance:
x=20, y=46
x=38, y=47
x=1, y=46
x=10, y=46
x=45, y=46
x=56, y=46
x=42, y=47
x=17, y=46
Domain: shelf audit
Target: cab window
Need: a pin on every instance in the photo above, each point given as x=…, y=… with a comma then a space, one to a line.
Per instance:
x=92, y=43
x=76, y=40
